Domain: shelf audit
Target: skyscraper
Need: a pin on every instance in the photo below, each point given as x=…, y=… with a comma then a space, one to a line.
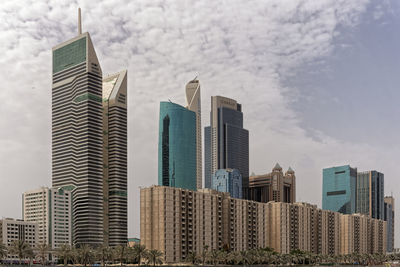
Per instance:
x=228, y=180
x=193, y=101
x=389, y=218
x=115, y=158
x=339, y=189
x=177, y=163
x=370, y=194
x=77, y=134
x=226, y=141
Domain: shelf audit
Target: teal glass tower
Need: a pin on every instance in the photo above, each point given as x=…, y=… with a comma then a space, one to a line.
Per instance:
x=177, y=163
x=339, y=189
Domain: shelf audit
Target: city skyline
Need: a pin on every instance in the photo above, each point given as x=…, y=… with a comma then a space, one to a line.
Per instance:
x=272, y=100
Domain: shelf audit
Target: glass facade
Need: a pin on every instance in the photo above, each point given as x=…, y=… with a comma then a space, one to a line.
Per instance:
x=389, y=218
x=339, y=189
x=228, y=180
x=69, y=55
x=177, y=146
x=370, y=194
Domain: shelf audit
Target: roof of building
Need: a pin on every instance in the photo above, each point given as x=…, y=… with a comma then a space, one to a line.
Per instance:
x=277, y=167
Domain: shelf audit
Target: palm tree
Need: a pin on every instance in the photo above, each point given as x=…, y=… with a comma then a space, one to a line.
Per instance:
x=85, y=255
x=3, y=250
x=192, y=257
x=154, y=256
x=214, y=256
x=120, y=253
x=64, y=252
x=43, y=252
x=139, y=251
x=104, y=254
x=30, y=254
x=19, y=248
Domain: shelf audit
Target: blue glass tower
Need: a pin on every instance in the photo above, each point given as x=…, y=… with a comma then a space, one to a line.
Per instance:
x=177, y=146
x=228, y=180
x=339, y=189
x=370, y=194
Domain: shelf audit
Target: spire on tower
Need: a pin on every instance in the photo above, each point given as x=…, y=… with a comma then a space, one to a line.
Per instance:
x=79, y=22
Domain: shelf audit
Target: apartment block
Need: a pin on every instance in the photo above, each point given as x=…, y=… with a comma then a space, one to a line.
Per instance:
x=12, y=230
x=50, y=208
x=179, y=221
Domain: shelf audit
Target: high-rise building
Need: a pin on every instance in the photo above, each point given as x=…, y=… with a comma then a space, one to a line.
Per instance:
x=193, y=101
x=274, y=186
x=77, y=134
x=370, y=194
x=177, y=163
x=339, y=189
x=179, y=222
x=228, y=180
x=13, y=230
x=115, y=158
x=389, y=218
x=226, y=141
x=50, y=209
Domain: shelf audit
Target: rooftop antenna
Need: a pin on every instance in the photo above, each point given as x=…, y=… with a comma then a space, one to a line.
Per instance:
x=79, y=22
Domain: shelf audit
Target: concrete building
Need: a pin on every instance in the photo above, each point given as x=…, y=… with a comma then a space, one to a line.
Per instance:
x=178, y=221
x=115, y=159
x=177, y=162
x=77, y=134
x=50, y=209
x=339, y=189
x=12, y=230
x=228, y=180
x=193, y=100
x=389, y=218
x=370, y=194
x=226, y=142
x=274, y=186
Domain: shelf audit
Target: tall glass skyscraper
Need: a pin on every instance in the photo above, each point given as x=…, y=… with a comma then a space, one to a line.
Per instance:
x=177, y=162
x=77, y=135
x=370, y=194
x=228, y=180
x=226, y=141
x=339, y=189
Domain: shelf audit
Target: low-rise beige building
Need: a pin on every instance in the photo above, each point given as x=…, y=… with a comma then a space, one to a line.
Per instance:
x=179, y=221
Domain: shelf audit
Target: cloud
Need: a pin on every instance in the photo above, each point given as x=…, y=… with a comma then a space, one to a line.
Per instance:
x=240, y=49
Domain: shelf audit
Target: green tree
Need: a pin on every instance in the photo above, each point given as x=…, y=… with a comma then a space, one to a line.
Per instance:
x=19, y=248
x=43, y=252
x=154, y=256
x=192, y=258
x=139, y=252
x=3, y=250
x=214, y=256
x=104, y=254
x=65, y=253
x=85, y=255
x=120, y=253
x=204, y=254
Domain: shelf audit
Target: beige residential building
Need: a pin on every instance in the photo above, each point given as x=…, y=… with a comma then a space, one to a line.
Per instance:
x=179, y=221
x=12, y=230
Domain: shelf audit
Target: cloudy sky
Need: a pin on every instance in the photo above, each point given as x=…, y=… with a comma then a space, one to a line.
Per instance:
x=318, y=81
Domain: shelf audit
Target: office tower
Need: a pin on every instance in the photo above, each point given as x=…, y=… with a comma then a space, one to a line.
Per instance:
x=389, y=218
x=339, y=189
x=193, y=101
x=177, y=163
x=228, y=180
x=178, y=222
x=370, y=194
x=226, y=141
x=115, y=157
x=13, y=230
x=50, y=208
x=274, y=186
x=77, y=134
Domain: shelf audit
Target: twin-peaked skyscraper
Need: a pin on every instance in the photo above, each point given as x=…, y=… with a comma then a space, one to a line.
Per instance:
x=180, y=141
x=89, y=142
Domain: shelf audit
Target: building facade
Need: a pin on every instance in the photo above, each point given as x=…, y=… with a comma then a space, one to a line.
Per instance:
x=77, y=134
x=12, y=230
x=50, y=209
x=226, y=141
x=178, y=222
x=228, y=180
x=115, y=159
x=274, y=186
x=339, y=189
x=370, y=194
x=389, y=218
x=193, y=100
x=177, y=162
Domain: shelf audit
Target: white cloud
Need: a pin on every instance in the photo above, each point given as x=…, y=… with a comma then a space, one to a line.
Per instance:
x=240, y=49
